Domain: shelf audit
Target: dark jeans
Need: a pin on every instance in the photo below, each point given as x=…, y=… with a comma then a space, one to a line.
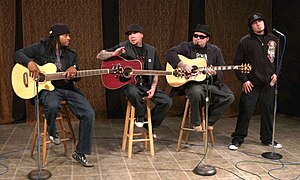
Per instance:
x=247, y=106
x=162, y=101
x=220, y=101
x=80, y=107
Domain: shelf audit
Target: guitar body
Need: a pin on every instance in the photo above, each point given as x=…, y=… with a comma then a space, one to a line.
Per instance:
x=24, y=86
x=115, y=81
x=180, y=80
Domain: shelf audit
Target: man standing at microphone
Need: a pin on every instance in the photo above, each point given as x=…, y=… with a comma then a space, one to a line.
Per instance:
x=258, y=48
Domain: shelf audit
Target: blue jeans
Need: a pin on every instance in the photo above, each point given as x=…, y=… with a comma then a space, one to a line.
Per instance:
x=79, y=106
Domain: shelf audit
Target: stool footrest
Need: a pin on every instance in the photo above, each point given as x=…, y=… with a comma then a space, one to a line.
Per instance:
x=191, y=129
x=61, y=140
x=140, y=140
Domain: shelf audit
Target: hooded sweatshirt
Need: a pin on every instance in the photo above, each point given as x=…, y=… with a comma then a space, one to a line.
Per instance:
x=259, y=51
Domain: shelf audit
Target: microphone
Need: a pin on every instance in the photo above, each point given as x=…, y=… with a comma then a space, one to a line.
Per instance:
x=278, y=32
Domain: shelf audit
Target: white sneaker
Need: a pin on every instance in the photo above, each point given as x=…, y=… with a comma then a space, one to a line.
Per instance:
x=139, y=121
x=154, y=136
x=234, y=146
x=276, y=145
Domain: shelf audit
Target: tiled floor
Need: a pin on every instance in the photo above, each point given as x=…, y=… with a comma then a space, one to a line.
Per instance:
x=112, y=163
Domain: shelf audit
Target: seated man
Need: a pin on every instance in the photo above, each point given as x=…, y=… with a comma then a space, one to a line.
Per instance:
x=146, y=87
x=55, y=50
x=222, y=96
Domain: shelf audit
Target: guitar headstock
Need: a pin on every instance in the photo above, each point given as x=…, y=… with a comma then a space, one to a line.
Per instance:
x=245, y=68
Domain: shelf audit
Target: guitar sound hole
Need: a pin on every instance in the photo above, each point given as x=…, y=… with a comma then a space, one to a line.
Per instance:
x=127, y=72
x=41, y=77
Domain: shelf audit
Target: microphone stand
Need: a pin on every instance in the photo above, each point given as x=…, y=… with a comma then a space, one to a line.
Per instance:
x=273, y=154
x=205, y=170
x=39, y=173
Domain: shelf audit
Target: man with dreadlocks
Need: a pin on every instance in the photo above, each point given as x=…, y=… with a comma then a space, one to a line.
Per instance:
x=55, y=50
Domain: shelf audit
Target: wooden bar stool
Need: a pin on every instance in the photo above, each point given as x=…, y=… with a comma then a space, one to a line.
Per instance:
x=129, y=132
x=186, y=126
x=62, y=115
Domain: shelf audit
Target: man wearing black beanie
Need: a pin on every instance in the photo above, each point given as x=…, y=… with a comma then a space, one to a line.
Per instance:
x=257, y=48
x=55, y=49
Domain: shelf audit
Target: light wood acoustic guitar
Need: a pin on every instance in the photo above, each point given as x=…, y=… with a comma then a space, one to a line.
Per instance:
x=24, y=85
x=199, y=66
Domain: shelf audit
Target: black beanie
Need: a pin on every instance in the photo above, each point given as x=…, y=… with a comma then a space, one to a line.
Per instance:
x=58, y=29
x=253, y=17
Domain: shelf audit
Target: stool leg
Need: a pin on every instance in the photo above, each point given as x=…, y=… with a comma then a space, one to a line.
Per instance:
x=189, y=126
x=150, y=128
x=204, y=127
x=125, y=132
x=131, y=129
x=63, y=130
x=44, y=143
x=212, y=137
x=34, y=139
x=182, y=126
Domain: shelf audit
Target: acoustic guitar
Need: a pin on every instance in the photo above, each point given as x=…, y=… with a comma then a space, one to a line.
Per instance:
x=24, y=85
x=198, y=74
x=128, y=72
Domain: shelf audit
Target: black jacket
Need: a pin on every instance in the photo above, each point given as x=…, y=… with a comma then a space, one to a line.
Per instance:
x=187, y=49
x=37, y=53
x=260, y=53
x=151, y=59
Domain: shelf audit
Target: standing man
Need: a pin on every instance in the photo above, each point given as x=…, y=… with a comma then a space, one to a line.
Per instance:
x=222, y=96
x=55, y=50
x=257, y=48
x=135, y=48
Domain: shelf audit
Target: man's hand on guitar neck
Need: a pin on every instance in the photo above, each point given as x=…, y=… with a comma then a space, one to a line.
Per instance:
x=34, y=71
x=210, y=71
x=71, y=72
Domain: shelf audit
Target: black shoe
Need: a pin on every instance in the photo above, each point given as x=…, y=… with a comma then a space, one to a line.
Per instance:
x=82, y=159
x=139, y=121
x=55, y=139
x=276, y=145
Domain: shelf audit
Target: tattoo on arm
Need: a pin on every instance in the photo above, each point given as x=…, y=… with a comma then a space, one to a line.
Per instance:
x=155, y=81
x=103, y=55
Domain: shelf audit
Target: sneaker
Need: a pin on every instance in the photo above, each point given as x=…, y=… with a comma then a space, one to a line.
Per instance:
x=276, y=145
x=153, y=134
x=55, y=139
x=234, y=146
x=139, y=121
x=82, y=159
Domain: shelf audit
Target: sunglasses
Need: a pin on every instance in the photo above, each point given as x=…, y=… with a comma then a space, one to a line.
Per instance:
x=199, y=36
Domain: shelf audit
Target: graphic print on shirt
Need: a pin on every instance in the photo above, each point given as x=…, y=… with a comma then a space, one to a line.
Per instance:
x=271, y=50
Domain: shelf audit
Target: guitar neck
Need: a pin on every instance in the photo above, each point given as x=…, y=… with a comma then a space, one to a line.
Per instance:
x=82, y=73
x=151, y=72
x=221, y=68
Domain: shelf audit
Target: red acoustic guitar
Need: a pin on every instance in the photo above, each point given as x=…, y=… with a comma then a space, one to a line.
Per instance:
x=126, y=71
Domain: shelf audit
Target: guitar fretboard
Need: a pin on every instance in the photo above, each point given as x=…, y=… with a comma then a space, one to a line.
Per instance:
x=82, y=73
x=151, y=72
x=221, y=68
